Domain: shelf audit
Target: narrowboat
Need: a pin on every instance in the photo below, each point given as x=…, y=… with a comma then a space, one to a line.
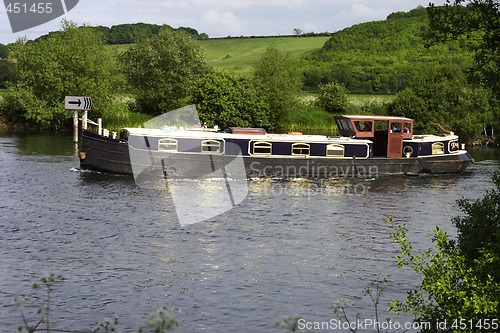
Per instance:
x=367, y=146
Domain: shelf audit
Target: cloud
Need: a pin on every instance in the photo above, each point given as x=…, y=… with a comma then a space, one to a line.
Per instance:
x=361, y=13
x=222, y=23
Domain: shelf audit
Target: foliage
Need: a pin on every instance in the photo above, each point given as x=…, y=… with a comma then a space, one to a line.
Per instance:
x=227, y=100
x=68, y=63
x=380, y=57
x=477, y=21
x=442, y=94
x=162, y=69
x=8, y=73
x=332, y=97
x=23, y=106
x=278, y=83
x=4, y=51
x=290, y=324
x=479, y=230
x=460, y=278
x=161, y=321
x=129, y=33
x=48, y=284
x=474, y=24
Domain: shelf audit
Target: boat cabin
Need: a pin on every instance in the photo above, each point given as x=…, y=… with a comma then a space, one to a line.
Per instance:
x=387, y=133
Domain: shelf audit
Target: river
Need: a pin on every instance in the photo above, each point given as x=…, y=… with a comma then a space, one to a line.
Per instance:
x=290, y=247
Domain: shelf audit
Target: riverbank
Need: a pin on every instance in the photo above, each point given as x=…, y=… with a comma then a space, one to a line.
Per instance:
x=7, y=127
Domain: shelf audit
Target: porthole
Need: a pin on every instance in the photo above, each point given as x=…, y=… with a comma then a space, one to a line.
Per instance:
x=408, y=151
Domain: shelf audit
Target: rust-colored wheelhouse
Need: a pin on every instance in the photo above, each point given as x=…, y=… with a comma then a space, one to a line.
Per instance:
x=386, y=132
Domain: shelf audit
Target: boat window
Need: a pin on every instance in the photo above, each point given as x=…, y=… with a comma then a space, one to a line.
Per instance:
x=168, y=145
x=396, y=127
x=407, y=128
x=345, y=124
x=262, y=148
x=335, y=150
x=363, y=126
x=210, y=146
x=302, y=149
x=437, y=148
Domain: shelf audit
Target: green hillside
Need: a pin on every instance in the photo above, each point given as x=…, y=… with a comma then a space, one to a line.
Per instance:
x=381, y=56
x=240, y=54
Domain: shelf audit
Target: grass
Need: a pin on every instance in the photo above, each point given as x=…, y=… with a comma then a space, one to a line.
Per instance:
x=240, y=54
x=360, y=100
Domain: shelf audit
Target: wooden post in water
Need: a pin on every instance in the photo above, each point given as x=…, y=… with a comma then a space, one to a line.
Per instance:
x=84, y=119
x=75, y=126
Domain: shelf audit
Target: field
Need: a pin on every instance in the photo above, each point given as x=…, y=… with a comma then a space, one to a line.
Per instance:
x=240, y=54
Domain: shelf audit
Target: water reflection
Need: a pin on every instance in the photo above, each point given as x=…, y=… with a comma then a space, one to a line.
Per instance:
x=44, y=144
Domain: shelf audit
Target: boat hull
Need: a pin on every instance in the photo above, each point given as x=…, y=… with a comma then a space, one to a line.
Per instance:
x=114, y=156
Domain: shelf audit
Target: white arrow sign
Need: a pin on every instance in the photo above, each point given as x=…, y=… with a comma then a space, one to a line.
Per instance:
x=77, y=103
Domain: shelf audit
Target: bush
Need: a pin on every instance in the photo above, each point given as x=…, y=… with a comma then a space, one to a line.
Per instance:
x=332, y=97
x=227, y=100
x=460, y=278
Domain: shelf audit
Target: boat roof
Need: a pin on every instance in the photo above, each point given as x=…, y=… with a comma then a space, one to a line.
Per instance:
x=371, y=117
x=208, y=134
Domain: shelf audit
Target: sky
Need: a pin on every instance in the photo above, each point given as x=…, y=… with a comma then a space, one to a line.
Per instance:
x=222, y=18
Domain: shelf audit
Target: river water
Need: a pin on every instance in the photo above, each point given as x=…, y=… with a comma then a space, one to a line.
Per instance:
x=291, y=247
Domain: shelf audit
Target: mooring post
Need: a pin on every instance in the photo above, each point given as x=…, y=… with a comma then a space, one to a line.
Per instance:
x=84, y=119
x=75, y=126
x=99, y=126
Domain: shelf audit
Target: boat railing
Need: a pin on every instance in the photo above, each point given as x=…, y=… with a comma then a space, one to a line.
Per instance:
x=100, y=130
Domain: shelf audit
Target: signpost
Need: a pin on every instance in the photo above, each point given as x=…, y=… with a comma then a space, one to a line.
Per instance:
x=78, y=103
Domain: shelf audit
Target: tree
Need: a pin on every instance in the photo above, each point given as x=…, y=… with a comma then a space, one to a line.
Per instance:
x=8, y=73
x=443, y=94
x=460, y=278
x=4, y=51
x=479, y=230
x=332, y=97
x=72, y=62
x=479, y=20
x=278, y=82
x=162, y=70
x=227, y=100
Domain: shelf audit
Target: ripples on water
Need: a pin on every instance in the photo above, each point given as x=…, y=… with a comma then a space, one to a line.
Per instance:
x=291, y=247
